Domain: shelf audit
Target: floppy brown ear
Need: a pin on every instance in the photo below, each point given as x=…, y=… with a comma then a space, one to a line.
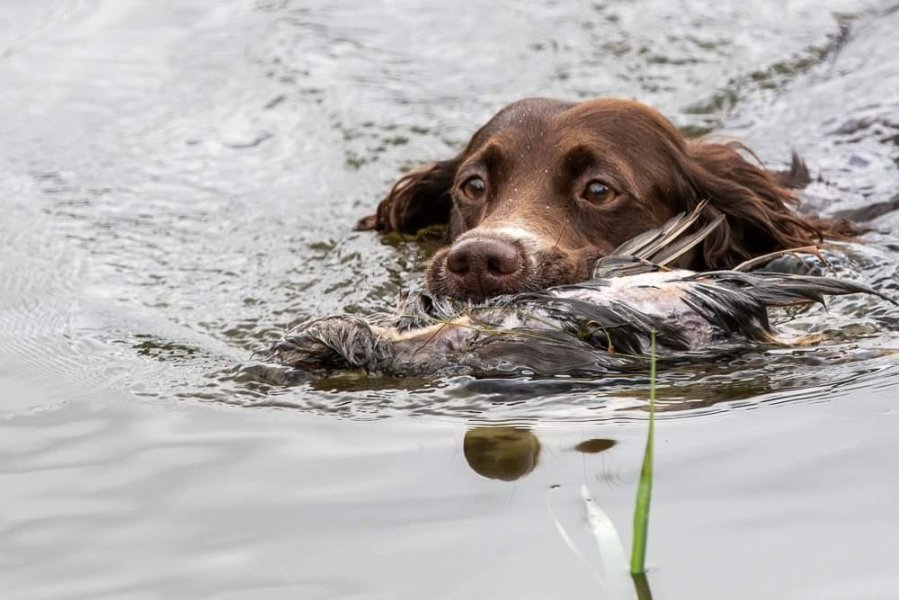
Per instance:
x=418, y=199
x=759, y=209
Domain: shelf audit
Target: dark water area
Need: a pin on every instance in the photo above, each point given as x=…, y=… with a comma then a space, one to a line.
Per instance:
x=178, y=184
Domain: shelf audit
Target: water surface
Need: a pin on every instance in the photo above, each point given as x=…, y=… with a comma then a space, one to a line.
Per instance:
x=178, y=183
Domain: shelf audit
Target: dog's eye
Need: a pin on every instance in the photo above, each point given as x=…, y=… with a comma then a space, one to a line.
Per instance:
x=597, y=192
x=474, y=187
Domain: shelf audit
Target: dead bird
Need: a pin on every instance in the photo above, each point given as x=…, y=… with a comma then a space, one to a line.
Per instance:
x=593, y=327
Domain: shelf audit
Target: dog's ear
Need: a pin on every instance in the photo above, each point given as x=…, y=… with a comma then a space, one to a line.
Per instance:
x=418, y=199
x=759, y=208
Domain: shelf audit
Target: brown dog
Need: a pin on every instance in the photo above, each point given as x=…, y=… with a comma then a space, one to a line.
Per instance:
x=547, y=187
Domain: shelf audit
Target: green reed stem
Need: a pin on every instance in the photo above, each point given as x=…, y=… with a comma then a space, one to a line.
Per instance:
x=644, y=489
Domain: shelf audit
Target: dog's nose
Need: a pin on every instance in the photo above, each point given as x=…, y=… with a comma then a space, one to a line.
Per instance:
x=484, y=266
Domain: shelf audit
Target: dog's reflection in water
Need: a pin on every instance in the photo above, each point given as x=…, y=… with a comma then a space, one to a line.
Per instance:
x=505, y=453
x=509, y=453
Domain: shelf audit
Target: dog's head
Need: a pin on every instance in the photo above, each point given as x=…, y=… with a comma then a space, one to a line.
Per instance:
x=547, y=187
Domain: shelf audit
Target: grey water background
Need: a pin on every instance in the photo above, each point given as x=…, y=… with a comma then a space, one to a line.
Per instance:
x=178, y=181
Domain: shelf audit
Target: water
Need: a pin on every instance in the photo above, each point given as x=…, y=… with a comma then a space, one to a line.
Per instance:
x=178, y=182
